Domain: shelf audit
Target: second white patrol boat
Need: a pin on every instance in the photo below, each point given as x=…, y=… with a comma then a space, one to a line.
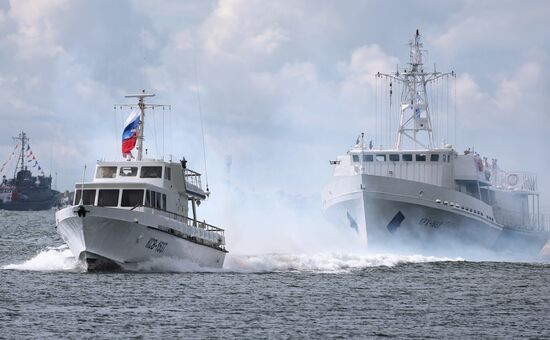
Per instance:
x=422, y=196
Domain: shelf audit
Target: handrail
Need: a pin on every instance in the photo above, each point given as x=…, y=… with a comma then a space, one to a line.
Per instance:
x=514, y=180
x=194, y=222
x=189, y=172
x=529, y=221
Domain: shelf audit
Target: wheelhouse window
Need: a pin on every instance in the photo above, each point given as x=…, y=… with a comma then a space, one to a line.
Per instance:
x=158, y=200
x=106, y=172
x=380, y=158
x=434, y=157
x=368, y=158
x=88, y=198
x=108, y=198
x=147, y=198
x=167, y=173
x=128, y=171
x=151, y=172
x=355, y=158
x=131, y=198
x=420, y=157
x=407, y=157
x=394, y=157
x=155, y=200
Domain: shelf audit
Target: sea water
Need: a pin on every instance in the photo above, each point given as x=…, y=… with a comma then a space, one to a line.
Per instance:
x=45, y=294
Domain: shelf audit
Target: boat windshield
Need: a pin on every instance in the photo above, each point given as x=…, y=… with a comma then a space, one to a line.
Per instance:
x=106, y=172
x=88, y=198
x=131, y=197
x=108, y=198
x=151, y=172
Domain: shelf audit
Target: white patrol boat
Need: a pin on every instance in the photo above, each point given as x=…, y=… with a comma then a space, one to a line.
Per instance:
x=137, y=210
x=416, y=196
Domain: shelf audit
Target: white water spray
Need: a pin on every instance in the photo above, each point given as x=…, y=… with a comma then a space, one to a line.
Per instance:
x=60, y=259
x=52, y=259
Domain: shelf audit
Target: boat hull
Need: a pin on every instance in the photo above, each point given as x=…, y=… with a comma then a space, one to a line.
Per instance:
x=109, y=239
x=398, y=215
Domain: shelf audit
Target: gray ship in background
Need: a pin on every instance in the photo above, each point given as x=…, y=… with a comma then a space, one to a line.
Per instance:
x=24, y=191
x=423, y=195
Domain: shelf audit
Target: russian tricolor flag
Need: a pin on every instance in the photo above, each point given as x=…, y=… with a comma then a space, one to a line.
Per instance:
x=129, y=136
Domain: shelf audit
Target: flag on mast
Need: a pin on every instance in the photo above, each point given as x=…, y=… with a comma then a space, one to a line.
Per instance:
x=129, y=135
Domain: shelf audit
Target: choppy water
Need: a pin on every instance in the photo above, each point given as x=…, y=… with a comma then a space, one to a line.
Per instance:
x=43, y=294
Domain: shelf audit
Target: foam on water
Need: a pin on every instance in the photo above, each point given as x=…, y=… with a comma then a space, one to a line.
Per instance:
x=171, y=265
x=51, y=259
x=266, y=263
x=61, y=259
x=321, y=262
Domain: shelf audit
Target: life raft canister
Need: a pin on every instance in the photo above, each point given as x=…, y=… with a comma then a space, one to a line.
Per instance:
x=512, y=179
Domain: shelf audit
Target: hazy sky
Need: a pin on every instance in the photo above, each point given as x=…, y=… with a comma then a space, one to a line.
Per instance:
x=284, y=85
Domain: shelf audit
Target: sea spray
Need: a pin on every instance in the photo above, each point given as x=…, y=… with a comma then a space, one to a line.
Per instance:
x=307, y=263
x=50, y=259
x=60, y=259
x=321, y=262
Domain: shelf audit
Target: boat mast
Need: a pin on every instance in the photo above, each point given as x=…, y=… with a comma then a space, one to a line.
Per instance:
x=142, y=106
x=415, y=112
x=23, y=139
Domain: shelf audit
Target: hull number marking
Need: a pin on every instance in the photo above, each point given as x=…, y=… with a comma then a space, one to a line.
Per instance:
x=156, y=245
x=430, y=223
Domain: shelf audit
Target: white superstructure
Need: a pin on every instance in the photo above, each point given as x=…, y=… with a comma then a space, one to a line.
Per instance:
x=420, y=196
x=134, y=211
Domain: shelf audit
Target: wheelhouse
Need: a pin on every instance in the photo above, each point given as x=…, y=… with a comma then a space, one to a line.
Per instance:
x=156, y=184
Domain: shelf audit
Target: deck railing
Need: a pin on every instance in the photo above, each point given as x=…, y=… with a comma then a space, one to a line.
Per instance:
x=543, y=220
x=188, y=221
x=516, y=181
x=538, y=222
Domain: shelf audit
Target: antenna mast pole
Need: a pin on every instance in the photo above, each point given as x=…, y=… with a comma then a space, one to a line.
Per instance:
x=23, y=138
x=415, y=112
x=142, y=106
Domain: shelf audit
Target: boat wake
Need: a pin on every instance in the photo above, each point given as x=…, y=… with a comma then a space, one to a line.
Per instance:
x=61, y=259
x=322, y=262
